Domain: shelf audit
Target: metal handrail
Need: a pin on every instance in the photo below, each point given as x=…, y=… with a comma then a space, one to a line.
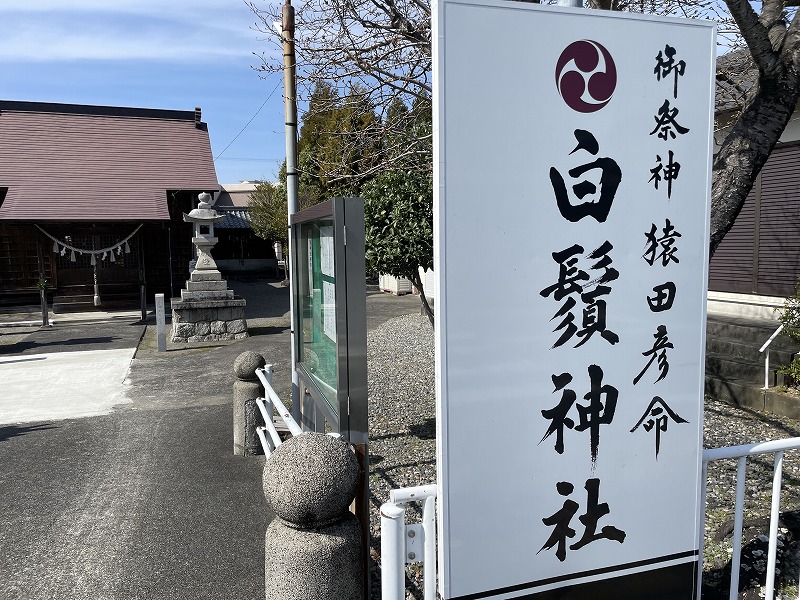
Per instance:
x=776, y=447
x=766, y=357
x=395, y=533
x=267, y=406
x=397, y=536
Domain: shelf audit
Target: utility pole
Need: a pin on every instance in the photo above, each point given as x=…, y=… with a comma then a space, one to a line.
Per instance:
x=290, y=109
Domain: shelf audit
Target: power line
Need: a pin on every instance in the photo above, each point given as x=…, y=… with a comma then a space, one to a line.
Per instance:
x=250, y=121
x=252, y=159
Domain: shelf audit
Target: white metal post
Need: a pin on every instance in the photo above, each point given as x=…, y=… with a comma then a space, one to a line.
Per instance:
x=268, y=405
x=773, y=525
x=766, y=369
x=733, y=593
x=766, y=356
x=393, y=552
x=429, y=529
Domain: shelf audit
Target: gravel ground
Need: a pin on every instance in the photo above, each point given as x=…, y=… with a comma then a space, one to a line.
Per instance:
x=403, y=453
x=402, y=426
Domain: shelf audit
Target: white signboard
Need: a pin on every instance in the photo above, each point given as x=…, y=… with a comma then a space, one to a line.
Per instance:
x=576, y=144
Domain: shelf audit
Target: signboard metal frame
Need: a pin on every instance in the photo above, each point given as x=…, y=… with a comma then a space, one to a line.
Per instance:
x=491, y=182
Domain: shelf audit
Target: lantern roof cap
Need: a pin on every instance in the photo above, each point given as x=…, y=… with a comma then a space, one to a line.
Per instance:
x=203, y=213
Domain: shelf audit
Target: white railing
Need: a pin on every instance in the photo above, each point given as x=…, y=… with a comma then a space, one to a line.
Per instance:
x=766, y=356
x=268, y=406
x=777, y=447
x=403, y=543
x=400, y=542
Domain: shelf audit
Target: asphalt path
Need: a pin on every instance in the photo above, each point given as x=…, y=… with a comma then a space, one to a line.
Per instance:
x=148, y=500
x=136, y=504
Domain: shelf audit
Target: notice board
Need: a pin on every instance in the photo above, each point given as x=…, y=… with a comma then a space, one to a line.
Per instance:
x=572, y=185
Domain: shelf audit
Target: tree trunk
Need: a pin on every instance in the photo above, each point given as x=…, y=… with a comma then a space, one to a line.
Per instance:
x=775, y=50
x=747, y=147
x=417, y=281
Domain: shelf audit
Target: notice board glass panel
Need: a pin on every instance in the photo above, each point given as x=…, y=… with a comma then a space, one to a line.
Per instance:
x=317, y=306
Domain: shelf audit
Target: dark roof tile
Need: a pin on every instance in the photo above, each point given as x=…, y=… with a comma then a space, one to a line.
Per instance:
x=238, y=218
x=81, y=163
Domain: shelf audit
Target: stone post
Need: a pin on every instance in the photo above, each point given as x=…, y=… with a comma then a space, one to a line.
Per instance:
x=161, y=327
x=246, y=416
x=313, y=545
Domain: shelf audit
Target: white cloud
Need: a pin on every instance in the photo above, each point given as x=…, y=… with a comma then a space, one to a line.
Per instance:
x=48, y=30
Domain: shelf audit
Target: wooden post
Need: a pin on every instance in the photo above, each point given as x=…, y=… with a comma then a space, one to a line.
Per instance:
x=142, y=278
x=42, y=284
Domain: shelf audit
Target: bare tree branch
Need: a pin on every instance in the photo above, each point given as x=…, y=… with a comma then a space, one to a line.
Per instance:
x=753, y=32
x=383, y=49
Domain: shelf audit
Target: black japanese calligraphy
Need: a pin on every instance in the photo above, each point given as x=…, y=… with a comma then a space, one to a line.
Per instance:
x=558, y=415
x=574, y=281
x=601, y=403
x=657, y=353
x=596, y=412
x=662, y=247
x=666, y=64
x=668, y=172
x=657, y=416
x=663, y=297
x=561, y=519
x=666, y=125
x=598, y=205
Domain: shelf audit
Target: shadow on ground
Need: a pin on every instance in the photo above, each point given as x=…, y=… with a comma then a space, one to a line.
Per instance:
x=11, y=431
x=753, y=567
x=26, y=345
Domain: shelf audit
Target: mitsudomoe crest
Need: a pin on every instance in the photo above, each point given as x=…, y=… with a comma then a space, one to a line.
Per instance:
x=586, y=76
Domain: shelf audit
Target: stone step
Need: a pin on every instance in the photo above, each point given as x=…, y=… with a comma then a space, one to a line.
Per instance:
x=188, y=296
x=727, y=367
x=736, y=392
x=207, y=286
x=746, y=395
x=735, y=367
x=177, y=304
x=749, y=332
x=85, y=302
x=61, y=308
x=735, y=349
x=206, y=275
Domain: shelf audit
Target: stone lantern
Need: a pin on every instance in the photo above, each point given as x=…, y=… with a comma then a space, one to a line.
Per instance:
x=204, y=218
x=207, y=309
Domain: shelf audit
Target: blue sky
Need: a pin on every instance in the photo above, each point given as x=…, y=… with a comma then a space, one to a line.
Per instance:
x=174, y=54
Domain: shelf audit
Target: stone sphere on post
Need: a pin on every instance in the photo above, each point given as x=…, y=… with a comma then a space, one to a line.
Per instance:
x=246, y=364
x=313, y=546
x=311, y=480
x=246, y=416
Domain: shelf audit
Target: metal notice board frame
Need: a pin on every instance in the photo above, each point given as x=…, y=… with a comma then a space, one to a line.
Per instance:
x=330, y=328
x=330, y=324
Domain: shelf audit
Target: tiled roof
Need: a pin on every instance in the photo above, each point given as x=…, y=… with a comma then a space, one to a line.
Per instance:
x=736, y=74
x=234, y=194
x=94, y=163
x=238, y=218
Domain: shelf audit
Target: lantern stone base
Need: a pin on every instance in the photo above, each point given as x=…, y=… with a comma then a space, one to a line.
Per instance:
x=207, y=310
